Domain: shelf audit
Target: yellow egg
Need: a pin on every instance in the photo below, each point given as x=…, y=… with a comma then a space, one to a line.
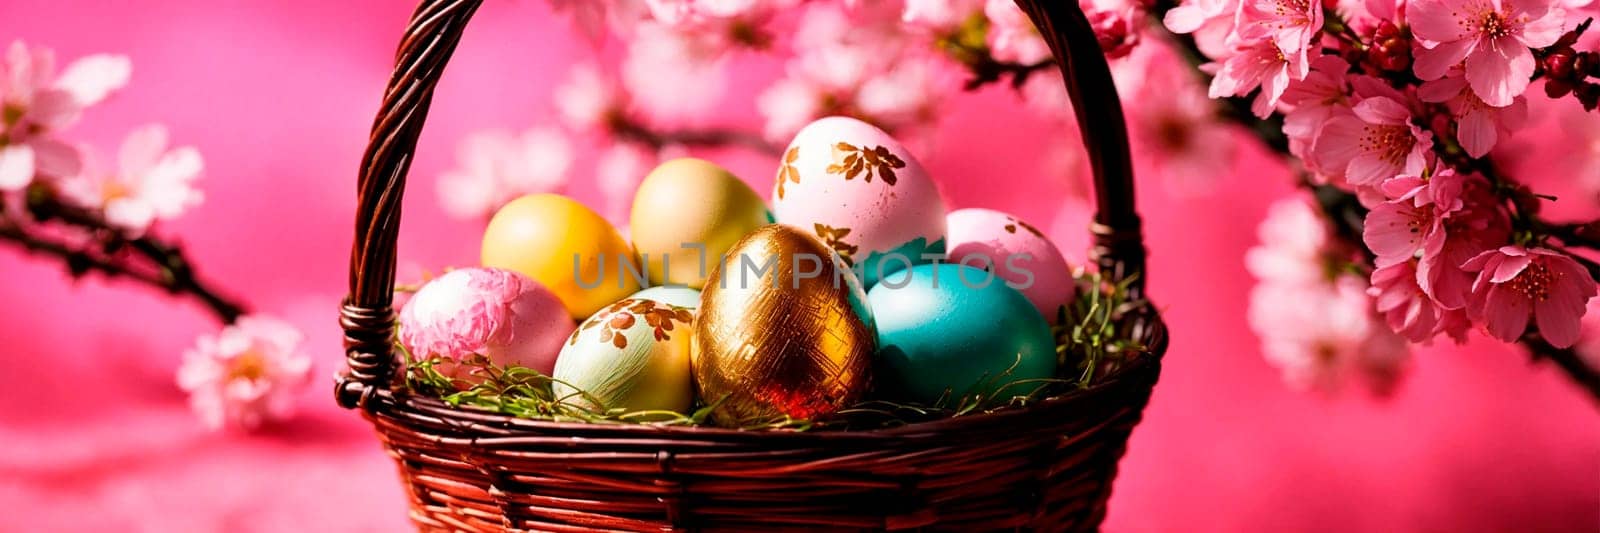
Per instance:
x=686, y=214
x=564, y=246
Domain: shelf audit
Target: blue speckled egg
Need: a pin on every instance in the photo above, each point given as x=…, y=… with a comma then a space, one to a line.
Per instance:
x=959, y=329
x=678, y=295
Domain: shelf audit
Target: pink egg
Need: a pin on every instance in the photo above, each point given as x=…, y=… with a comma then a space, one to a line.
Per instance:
x=862, y=194
x=1016, y=252
x=505, y=316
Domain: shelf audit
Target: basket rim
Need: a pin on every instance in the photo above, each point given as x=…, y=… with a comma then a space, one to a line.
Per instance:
x=1142, y=370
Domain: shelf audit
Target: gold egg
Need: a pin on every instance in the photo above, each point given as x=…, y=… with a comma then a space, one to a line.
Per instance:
x=784, y=330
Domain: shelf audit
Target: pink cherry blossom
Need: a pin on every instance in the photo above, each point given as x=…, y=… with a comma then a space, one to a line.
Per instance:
x=1012, y=36
x=1478, y=125
x=788, y=105
x=1174, y=129
x=1321, y=336
x=249, y=373
x=1515, y=282
x=1211, y=22
x=939, y=15
x=1259, y=64
x=1324, y=93
x=1289, y=24
x=1378, y=142
x=151, y=183
x=674, y=76
x=495, y=167
x=1479, y=224
x=1294, y=245
x=590, y=97
x=499, y=314
x=1117, y=29
x=1409, y=310
x=1491, y=36
x=38, y=103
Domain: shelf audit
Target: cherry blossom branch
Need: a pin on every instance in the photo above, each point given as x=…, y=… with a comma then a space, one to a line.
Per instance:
x=632, y=130
x=1346, y=215
x=145, y=259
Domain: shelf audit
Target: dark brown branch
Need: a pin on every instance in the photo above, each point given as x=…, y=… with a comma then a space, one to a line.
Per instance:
x=146, y=260
x=629, y=129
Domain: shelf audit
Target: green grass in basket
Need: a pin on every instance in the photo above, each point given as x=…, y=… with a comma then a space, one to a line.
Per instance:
x=1089, y=346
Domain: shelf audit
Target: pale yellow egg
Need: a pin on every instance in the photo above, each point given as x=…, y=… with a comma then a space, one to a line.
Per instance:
x=564, y=246
x=686, y=214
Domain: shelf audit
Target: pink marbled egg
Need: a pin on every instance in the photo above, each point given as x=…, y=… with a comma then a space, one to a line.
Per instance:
x=1016, y=252
x=861, y=193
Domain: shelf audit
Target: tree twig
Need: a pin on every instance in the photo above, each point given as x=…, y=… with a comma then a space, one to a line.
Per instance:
x=146, y=260
x=632, y=130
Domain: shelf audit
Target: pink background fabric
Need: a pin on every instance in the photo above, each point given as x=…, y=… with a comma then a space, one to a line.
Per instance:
x=278, y=96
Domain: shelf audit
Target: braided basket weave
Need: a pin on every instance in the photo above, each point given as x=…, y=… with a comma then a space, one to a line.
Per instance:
x=1047, y=466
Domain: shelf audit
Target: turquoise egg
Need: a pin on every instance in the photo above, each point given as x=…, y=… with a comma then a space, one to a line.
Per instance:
x=959, y=329
x=677, y=295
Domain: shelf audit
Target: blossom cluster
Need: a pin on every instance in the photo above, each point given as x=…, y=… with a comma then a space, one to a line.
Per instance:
x=55, y=195
x=148, y=182
x=895, y=64
x=1401, y=103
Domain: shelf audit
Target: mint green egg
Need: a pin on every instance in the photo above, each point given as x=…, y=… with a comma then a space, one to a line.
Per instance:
x=952, y=331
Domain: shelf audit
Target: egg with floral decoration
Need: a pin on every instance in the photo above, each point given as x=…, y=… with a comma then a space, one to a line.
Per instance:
x=783, y=331
x=948, y=332
x=631, y=356
x=566, y=247
x=1016, y=252
x=671, y=295
x=498, y=314
x=685, y=215
x=861, y=193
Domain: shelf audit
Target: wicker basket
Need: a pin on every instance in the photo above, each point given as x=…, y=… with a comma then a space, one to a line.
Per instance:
x=1048, y=466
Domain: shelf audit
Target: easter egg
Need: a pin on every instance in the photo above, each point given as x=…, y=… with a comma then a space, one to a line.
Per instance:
x=686, y=214
x=783, y=330
x=862, y=194
x=564, y=246
x=633, y=355
x=495, y=313
x=951, y=330
x=1016, y=252
x=671, y=295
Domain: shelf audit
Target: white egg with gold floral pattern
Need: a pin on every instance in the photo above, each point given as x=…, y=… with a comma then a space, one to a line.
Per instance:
x=863, y=194
x=633, y=355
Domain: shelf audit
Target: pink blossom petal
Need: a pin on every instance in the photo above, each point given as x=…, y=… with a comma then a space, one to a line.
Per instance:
x=91, y=78
x=1506, y=313
x=55, y=158
x=1510, y=268
x=1442, y=89
x=1559, y=326
x=1392, y=233
x=1369, y=169
x=1381, y=110
x=1544, y=29
x=142, y=149
x=1185, y=19
x=1501, y=72
x=1436, y=20
x=1433, y=63
x=16, y=167
x=1477, y=132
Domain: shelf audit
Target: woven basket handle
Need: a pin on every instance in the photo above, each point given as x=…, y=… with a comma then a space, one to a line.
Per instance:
x=430, y=39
